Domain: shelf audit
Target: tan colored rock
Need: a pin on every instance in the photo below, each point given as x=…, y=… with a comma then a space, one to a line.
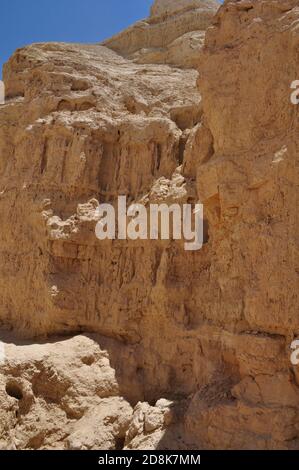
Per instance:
x=209, y=331
x=103, y=427
x=173, y=34
x=249, y=185
x=169, y=7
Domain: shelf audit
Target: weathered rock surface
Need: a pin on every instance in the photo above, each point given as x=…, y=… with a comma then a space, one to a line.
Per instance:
x=63, y=394
x=193, y=349
x=90, y=126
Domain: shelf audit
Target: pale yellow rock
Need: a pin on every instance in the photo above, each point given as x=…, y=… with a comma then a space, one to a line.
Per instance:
x=173, y=34
x=158, y=348
x=62, y=394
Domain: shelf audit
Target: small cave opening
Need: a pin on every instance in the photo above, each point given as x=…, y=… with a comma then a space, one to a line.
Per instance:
x=14, y=390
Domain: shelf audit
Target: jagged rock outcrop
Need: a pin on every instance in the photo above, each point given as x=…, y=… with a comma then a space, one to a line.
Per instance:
x=173, y=34
x=249, y=187
x=61, y=394
x=189, y=349
x=90, y=126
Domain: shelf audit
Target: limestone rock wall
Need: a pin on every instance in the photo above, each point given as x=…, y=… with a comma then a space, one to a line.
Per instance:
x=249, y=187
x=192, y=347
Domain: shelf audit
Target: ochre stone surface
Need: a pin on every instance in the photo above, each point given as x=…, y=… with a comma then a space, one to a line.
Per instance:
x=142, y=345
x=173, y=34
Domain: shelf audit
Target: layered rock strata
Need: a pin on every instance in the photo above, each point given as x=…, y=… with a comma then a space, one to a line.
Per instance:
x=188, y=350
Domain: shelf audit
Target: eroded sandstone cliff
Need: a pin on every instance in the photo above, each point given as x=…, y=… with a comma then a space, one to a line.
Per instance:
x=165, y=348
x=173, y=34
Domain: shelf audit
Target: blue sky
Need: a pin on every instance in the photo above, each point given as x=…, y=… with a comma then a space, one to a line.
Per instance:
x=23, y=22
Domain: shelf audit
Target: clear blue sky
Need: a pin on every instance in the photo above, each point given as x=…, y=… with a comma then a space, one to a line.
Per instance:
x=23, y=22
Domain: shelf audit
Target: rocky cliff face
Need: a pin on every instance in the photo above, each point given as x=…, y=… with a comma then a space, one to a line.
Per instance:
x=165, y=348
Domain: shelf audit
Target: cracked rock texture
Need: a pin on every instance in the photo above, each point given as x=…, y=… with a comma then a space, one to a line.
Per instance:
x=142, y=345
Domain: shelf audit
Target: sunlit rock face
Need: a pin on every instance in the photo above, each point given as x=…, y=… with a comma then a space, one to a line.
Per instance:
x=158, y=348
x=170, y=7
x=173, y=34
